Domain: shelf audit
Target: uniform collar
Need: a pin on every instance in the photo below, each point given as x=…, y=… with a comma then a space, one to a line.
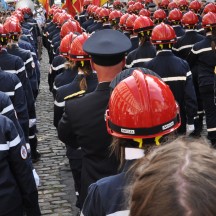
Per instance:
x=103, y=86
x=164, y=52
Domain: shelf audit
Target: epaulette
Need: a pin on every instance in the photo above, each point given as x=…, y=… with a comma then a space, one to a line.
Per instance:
x=74, y=95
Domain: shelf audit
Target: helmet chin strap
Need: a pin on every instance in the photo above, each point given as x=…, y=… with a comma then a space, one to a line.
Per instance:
x=134, y=153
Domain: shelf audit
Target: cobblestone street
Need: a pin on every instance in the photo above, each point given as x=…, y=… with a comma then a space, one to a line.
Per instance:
x=56, y=193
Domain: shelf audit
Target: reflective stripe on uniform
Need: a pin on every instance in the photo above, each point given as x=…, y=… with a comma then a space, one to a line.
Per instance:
x=177, y=78
x=7, y=109
x=10, y=93
x=188, y=73
x=59, y=104
x=32, y=137
x=201, y=50
x=120, y=213
x=55, y=87
x=182, y=47
x=12, y=143
x=28, y=60
x=18, y=85
x=15, y=142
x=138, y=61
x=211, y=129
x=16, y=71
x=58, y=67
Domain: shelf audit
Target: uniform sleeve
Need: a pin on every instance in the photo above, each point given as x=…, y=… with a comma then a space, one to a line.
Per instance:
x=21, y=73
x=190, y=98
x=65, y=127
x=21, y=168
x=128, y=61
x=59, y=105
x=93, y=203
x=20, y=106
x=8, y=111
x=28, y=65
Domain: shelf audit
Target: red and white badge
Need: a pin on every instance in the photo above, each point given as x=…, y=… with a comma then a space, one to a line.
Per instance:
x=23, y=152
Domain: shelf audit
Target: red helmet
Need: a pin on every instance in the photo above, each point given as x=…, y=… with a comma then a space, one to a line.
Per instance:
x=163, y=34
x=55, y=17
x=142, y=106
x=97, y=11
x=183, y=4
x=63, y=18
x=209, y=20
x=195, y=6
x=138, y=6
x=66, y=44
x=117, y=5
x=104, y=14
x=76, y=51
x=210, y=7
x=143, y=24
x=114, y=17
x=175, y=15
x=144, y=12
x=123, y=20
x=164, y=4
x=130, y=9
x=130, y=21
x=26, y=10
x=69, y=26
x=130, y=3
x=172, y=5
x=13, y=27
x=189, y=19
x=159, y=14
x=19, y=16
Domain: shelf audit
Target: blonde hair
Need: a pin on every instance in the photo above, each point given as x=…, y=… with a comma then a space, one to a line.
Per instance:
x=178, y=179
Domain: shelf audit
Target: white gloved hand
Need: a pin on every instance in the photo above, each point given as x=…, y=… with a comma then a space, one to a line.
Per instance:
x=36, y=177
x=189, y=129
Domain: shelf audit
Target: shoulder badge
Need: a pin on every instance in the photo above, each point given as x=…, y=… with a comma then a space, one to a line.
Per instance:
x=74, y=95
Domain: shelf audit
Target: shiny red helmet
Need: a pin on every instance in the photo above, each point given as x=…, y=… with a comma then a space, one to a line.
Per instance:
x=143, y=24
x=183, y=5
x=159, y=15
x=164, y=4
x=195, y=6
x=117, y=5
x=175, y=15
x=66, y=44
x=114, y=17
x=67, y=27
x=55, y=17
x=163, y=34
x=129, y=22
x=142, y=106
x=130, y=3
x=209, y=20
x=137, y=7
x=12, y=27
x=123, y=20
x=63, y=18
x=189, y=19
x=172, y=5
x=104, y=14
x=210, y=7
x=144, y=12
x=76, y=51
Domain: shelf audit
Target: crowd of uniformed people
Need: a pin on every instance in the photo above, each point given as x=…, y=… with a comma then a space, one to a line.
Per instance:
x=127, y=79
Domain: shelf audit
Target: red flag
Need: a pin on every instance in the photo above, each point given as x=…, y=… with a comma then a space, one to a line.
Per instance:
x=73, y=6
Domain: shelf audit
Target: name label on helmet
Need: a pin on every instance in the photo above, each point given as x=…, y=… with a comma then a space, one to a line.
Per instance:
x=127, y=131
x=169, y=125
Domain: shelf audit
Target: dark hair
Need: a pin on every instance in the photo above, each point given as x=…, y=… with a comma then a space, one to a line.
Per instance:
x=177, y=179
